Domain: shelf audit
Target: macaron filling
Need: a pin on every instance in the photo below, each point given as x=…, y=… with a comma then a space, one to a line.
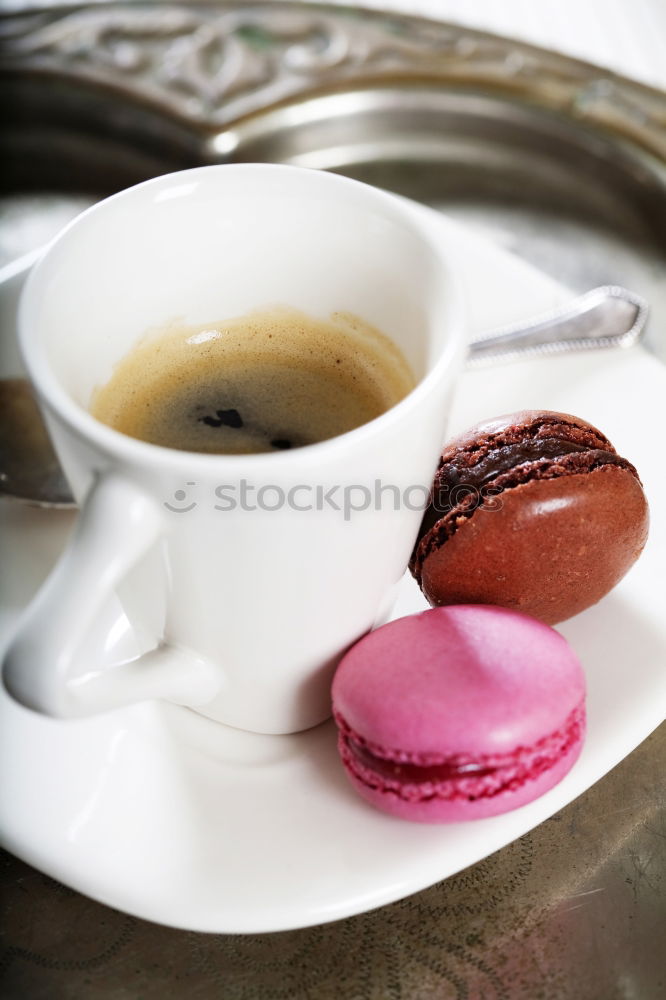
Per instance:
x=506, y=457
x=423, y=777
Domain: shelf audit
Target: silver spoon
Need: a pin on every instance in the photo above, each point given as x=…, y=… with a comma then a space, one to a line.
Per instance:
x=609, y=316
x=29, y=467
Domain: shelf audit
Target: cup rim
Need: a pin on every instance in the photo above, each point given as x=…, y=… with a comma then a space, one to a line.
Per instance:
x=79, y=420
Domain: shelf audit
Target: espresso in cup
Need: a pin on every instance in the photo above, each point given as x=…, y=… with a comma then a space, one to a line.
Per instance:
x=272, y=380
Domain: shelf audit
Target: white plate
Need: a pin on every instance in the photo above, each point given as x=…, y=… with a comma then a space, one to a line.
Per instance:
x=168, y=816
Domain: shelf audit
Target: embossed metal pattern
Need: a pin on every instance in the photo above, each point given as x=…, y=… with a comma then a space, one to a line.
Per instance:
x=211, y=63
x=571, y=911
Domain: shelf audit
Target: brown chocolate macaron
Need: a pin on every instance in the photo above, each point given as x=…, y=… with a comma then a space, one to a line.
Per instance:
x=534, y=511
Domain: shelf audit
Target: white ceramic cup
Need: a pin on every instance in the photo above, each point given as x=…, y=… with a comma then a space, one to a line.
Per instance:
x=247, y=611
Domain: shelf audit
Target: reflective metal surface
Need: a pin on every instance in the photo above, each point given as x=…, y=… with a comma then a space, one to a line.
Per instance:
x=558, y=161
x=610, y=316
x=572, y=911
x=553, y=159
x=29, y=467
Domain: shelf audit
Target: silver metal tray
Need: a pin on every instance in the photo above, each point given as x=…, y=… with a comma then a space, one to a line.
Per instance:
x=557, y=160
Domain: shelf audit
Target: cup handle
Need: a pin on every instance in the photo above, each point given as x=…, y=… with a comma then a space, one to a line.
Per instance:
x=117, y=525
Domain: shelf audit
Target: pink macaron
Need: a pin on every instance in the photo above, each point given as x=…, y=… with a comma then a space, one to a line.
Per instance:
x=459, y=713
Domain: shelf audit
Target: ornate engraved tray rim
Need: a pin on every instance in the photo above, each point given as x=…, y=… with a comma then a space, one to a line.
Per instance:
x=208, y=64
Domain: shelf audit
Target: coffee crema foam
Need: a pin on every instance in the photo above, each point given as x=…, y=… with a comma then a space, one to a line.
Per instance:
x=270, y=380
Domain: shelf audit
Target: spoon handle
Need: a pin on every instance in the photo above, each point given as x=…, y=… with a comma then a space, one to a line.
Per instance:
x=609, y=316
